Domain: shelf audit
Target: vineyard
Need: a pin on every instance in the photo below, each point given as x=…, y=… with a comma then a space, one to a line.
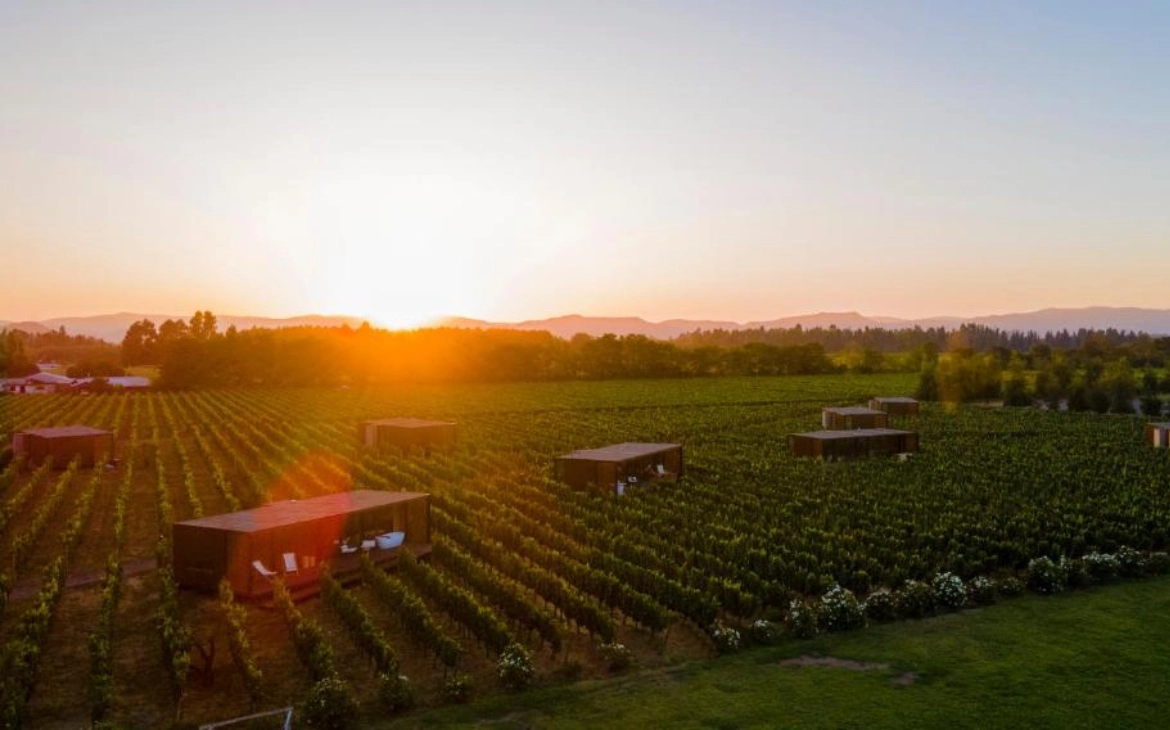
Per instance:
x=93, y=626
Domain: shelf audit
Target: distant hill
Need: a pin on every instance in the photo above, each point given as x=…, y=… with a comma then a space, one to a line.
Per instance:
x=1153, y=321
x=33, y=328
x=112, y=327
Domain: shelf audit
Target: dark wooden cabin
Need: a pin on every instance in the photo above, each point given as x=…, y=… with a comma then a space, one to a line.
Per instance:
x=847, y=418
x=63, y=443
x=333, y=529
x=895, y=405
x=406, y=433
x=1158, y=434
x=854, y=444
x=628, y=463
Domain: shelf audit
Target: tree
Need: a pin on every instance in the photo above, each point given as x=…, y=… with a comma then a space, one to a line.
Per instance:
x=1015, y=386
x=14, y=361
x=203, y=325
x=140, y=345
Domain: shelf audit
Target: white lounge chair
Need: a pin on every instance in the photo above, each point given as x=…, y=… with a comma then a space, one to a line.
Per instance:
x=346, y=549
x=262, y=570
x=390, y=540
x=661, y=470
x=369, y=544
x=290, y=562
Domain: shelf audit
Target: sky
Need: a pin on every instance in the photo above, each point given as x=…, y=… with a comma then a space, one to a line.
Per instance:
x=502, y=160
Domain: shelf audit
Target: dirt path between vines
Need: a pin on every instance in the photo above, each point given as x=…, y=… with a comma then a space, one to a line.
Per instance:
x=30, y=586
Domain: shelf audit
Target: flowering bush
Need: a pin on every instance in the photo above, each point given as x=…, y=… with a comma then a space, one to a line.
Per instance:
x=1010, y=586
x=915, y=599
x=802, y=620
x=949, y=590
x=726, y=638
x=764, y=632
x=1101, y=566
x=881, y=605
x=396, y=692
x=981, y=590
x=616, y=656
x=457, y=688
x=330, y=705
x=1046, y=576
x=841, y=611
x=514, y=667
x=1130, y=562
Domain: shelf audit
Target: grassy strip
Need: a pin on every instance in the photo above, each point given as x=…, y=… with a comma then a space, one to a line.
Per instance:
x=1076, y=660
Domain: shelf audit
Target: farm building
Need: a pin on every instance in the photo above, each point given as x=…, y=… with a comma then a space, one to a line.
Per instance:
x=628, y=463
x=847, y=418
x=895, y=405
x=853, y=444
x=292, y=539
x=1158, y=434
x=63, y=443
x=407, y=432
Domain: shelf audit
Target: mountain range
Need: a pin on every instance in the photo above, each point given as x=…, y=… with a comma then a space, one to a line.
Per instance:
x=1153, y=321
x=112, y=327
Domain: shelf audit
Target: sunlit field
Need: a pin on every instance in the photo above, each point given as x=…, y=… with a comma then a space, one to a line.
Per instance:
x=519, y=557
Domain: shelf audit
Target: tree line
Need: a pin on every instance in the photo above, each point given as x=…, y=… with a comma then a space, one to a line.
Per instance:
x=1096, y=376
x=20, y=352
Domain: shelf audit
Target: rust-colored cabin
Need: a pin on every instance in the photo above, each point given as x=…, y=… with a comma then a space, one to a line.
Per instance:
x=895, y=405
x=1158, y=434
x=332, y=529
x=406, y=433
x=63, y=443
x=847, y=418
x=628, y=463
x=854, y=444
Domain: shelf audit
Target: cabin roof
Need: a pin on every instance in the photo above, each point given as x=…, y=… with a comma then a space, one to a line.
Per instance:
x=55, y=432
x=294, y=511
x=895, y=399
x=854, y=411
x=407, y=422
x=856, y=433
x=621, y=452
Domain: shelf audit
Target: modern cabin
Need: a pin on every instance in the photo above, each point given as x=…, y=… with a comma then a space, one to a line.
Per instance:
x=895, y=405
x=853, y=444
x=292, y=539
x=63, y=444
x=628, y=463
x=1158, y=434
x=406, y=433
x=847, y=418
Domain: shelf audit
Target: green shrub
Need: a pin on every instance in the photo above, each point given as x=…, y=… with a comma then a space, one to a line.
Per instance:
x=802, y=620
x=726, y=638
x=1130, y=562
x=981, y=590
x=330, y=705
x=1101, y=567
x=764, y=632
x=915, y=599
x=1047, y=576
x=457, y=688
x=396, y=692
x=881, y=605
x=514, y=668
x=617, y=657
x=841, y=610
x=949, y=591
x=1010, y=586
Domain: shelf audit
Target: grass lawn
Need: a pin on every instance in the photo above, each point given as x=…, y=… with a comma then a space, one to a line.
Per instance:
x=1088, y=659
